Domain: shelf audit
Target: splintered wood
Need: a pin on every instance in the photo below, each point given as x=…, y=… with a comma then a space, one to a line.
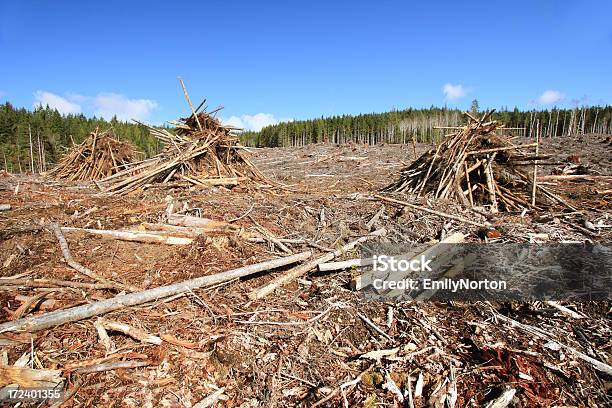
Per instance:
x=475, y=166
x=99, y=156
x=200, y=152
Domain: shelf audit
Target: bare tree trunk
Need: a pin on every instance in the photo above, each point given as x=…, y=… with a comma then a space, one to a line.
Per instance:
x=31, y=150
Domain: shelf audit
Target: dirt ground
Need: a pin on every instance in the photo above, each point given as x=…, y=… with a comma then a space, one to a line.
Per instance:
x=307, y=344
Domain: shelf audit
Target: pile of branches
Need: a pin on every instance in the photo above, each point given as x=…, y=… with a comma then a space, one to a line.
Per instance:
x=99, y=156
x=201, y=152
x=477, y=166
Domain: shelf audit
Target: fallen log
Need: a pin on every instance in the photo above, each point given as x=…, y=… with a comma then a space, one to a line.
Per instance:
x=47, y=320
x=133, y=236
x=203, y=223
x=77, y=266
x=430, y=211
x=303, y=269
x=336, y=266
x=5, y=207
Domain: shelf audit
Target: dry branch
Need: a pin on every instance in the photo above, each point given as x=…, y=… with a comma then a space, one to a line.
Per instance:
x=77, y=266
x=427, y=210
x=133, y=236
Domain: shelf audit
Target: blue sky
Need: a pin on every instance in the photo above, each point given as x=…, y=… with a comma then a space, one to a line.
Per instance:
x=272, y=60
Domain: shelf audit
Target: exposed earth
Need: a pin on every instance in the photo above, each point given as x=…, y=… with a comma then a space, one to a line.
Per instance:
x=306, y=344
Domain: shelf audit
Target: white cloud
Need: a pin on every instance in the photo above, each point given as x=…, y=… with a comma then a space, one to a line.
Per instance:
x=453, y=92
x=63, y=105
x=251, y=122
x=104, y=105
x=108, y=105
x=549, y=97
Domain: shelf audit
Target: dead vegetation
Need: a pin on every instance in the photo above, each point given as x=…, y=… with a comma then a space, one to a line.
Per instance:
x=200, y=152
x=478, y=166
x=99, y=156
x=144, y=300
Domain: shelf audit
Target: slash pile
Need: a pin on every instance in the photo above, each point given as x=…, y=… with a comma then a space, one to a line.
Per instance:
x=99, y=156
x=476, y=166
x=201, y=152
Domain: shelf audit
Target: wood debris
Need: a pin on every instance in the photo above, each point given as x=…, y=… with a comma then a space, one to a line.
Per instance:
x=100, y=155
x=201, y=152
x=475, y=166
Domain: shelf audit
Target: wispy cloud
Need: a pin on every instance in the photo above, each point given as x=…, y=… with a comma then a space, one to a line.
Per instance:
x=584, y=101
x=453, y=92
x=105, y=105
x=63, y=105
x=548, y=97
x=252, y=122
x=108, y=105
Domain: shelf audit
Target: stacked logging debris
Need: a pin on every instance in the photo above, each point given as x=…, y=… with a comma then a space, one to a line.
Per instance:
x=100, y=155
x=477, y=166
x=201, y=152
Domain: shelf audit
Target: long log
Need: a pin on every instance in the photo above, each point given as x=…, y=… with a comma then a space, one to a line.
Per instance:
x=427, y=210
x=80, y=268
x=197, y=222
x=303, y=269
x=133, y=236
x=47, y=320
x=336, y=266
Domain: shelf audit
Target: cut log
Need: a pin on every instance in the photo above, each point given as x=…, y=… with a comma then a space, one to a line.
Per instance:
x=40, y=322
x=133, y=236
x=303, y=269
x=204, y=223
x=336, y=266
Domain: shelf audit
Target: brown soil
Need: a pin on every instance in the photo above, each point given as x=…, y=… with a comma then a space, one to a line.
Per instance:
x=327, y=200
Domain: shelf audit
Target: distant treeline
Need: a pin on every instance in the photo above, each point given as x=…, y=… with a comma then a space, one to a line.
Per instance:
x=50, y=133
x=42, y=135
x=404, y=126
